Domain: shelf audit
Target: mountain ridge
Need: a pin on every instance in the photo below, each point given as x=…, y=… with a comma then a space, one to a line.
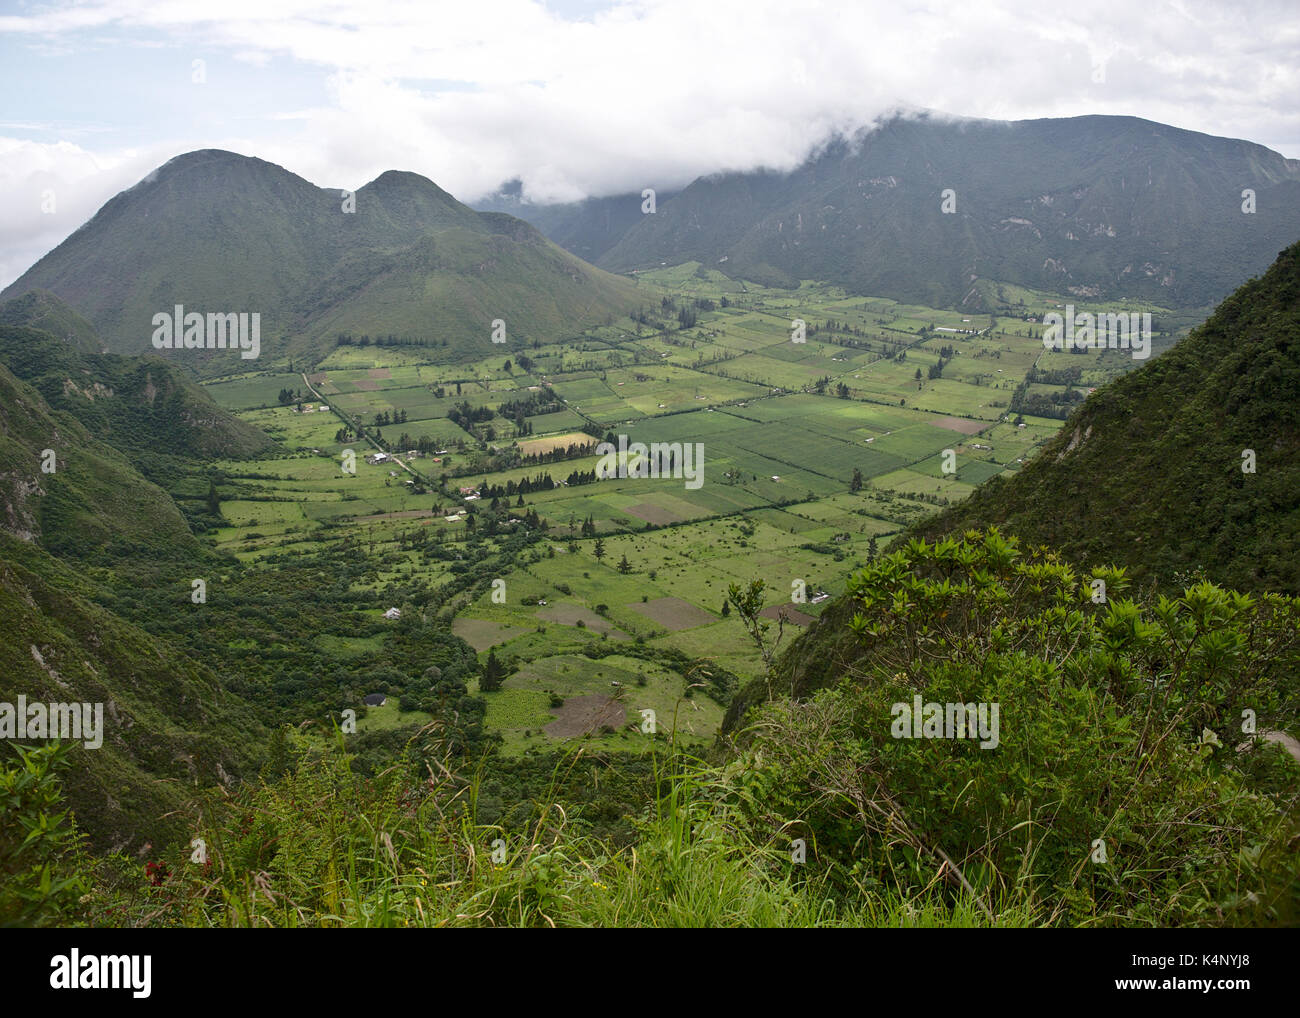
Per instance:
x=1096, y=205
x=217, y=232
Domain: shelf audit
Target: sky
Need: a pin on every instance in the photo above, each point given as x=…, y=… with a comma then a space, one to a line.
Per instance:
x=577, y=98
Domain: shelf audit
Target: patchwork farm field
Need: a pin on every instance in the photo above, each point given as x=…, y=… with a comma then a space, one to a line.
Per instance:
x=809, y=450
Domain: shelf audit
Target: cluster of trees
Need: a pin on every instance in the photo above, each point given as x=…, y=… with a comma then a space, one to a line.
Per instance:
x=641, y=318
x=841, y=389
x=834, y=325
x=936, y=370
x=555, y=455
x=1058, y=404
x=427, y=444
x=348, y=339
x=581, y=477
x=534, y=404
x=464, y=414
x=524, y=486
x=1061, y=376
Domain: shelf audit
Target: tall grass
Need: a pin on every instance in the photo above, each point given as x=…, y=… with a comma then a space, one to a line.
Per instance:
x=323, y=847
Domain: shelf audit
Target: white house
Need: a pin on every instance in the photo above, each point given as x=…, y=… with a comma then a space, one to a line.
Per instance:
x=393, y=614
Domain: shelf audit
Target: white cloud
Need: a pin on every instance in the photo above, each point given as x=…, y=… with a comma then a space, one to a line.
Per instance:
x=655, y=92
x=48, y=190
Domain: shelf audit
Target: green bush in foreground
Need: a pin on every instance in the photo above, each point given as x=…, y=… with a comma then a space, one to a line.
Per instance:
x=41, y=855
x=325, y=847
x=1124, y=735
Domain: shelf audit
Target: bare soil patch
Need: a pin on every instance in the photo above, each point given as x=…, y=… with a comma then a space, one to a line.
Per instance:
x=581, y=715
x=572, y=614
x=652, y=513
x=792, y=614
x=673, y=613
x=960, y=424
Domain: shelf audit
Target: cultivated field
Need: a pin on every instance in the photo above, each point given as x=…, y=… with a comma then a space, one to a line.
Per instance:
x=810, y=456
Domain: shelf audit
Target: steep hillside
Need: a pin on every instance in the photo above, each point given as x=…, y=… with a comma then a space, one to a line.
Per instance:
x=217, y=232
x=40, y=309
x=1101, y=206
x=93, y=505
x=1148, y=472
x=586, y=228
x=143, y=406
x=167, y=725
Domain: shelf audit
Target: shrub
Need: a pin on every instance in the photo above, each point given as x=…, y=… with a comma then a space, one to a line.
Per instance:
x=1118, y=721
x=42, y=860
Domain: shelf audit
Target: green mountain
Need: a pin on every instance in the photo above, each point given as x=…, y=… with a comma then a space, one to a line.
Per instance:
x=143, y=406
x=1106, y=207
x=168, y=725
x=75, y=496
x=587, y=228
x=221, y=233
x=1148, y=472
x=40, y=309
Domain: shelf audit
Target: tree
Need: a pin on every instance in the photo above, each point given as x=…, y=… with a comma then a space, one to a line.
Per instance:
x=749, y=606
x=493, y=673
x=600, y=548
x=856, y=483
x=214, y=499
x=624, y=566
